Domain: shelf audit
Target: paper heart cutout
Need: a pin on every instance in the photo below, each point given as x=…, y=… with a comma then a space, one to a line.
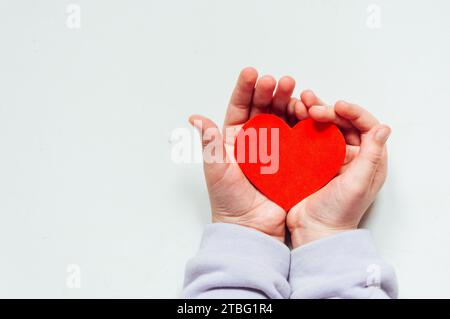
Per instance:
x=310, y=155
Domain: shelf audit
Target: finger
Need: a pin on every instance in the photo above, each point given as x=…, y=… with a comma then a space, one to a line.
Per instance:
x=326, y=114
x=352, y=136
x=359, y=117
x=208, y=130
x=282, y=96
x=351, y=153
x=322, y=113
x=381, y=173
x=300, y=110
x=290, y=111
x=309, y=99
x=238, y=111
x=214, y=153
x=362, y=171
x=262, y=97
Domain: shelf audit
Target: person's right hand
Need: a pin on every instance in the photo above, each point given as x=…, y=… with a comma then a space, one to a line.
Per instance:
x=233, y=198
x=340, y=205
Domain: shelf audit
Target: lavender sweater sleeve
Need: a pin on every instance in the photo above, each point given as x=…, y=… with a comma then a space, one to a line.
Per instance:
x=238, y=262
x=341, y=266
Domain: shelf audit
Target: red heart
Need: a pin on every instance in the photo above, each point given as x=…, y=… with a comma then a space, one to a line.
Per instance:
x=310, y=155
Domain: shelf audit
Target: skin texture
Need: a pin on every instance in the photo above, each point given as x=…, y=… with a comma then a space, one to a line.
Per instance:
x=337, y=207
x=340, y=205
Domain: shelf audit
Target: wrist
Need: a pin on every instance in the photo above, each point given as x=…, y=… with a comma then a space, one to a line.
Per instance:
x=306, y=230
x=303, y=236
x=278, y=234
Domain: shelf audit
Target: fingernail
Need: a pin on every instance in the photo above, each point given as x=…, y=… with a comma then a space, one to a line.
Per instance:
x=382, y=134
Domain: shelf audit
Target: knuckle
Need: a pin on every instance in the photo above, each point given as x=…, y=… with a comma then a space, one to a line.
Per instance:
x=373, y=157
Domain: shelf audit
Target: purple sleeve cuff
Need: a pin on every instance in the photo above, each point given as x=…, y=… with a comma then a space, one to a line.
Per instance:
x=238, y=262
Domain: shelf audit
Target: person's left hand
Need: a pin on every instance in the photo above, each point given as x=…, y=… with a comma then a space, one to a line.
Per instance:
x=340, y=205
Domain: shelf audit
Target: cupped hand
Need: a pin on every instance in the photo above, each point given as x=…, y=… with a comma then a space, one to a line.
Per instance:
x=340, y=205
x=233, y=198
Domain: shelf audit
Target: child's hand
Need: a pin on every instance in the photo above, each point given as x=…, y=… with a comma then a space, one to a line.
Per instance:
x=233, y=198
x=340, y=205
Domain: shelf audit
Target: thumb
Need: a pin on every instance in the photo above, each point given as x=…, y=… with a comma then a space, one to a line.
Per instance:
x=214, y=154
x=207, y=129
x=370, y=156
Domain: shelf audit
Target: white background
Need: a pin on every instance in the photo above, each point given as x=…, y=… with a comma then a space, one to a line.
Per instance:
x=86, y=116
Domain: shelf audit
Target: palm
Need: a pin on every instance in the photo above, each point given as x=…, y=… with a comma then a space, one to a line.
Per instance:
x=337, y=206
x=233, y=198
x=341, y=203
x=322, y=206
